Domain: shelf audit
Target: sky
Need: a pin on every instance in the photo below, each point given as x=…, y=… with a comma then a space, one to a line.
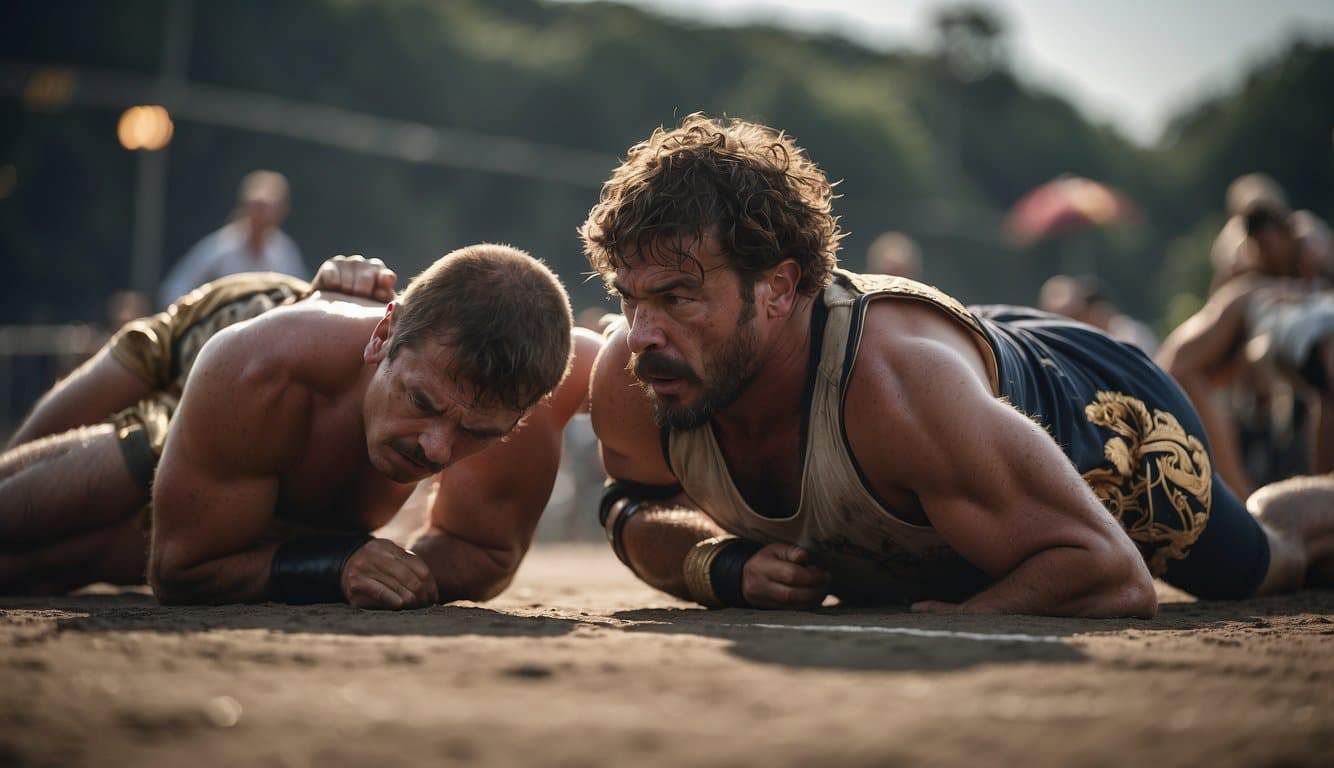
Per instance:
x=1133, y=63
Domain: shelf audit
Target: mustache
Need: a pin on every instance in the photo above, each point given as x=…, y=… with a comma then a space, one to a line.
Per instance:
x=659, y=365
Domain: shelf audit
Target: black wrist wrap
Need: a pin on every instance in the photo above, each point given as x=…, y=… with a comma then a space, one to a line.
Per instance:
x=614, y=535
x=615, y=490
x=725, y=572
x=310, y=569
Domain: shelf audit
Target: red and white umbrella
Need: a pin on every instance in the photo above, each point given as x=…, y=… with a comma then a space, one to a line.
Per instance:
x=1064, y=206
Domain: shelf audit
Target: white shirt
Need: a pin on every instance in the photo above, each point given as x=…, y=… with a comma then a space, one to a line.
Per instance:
x=225, y=252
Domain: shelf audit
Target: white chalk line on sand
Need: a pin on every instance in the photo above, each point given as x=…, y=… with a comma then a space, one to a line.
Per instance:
x=999, y=638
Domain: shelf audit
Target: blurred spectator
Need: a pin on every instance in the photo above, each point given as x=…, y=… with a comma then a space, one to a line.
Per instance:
x=1084, y=299
x=1268, y=334
x=1273, y=247
x=1233, y=253
x=1315, y=244
x=894, y=253
x=250, y=242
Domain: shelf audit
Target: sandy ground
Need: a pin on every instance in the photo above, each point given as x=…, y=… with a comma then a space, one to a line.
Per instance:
x=580, y=665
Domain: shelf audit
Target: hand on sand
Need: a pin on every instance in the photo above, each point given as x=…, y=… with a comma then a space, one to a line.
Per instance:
x=782, y=576
x=356, y=276
x=384, y=575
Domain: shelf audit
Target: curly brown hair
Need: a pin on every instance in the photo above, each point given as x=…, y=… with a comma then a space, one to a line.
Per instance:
x=747, y=185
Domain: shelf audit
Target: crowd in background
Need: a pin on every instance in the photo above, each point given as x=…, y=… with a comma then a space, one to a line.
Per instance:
x=1257, y=359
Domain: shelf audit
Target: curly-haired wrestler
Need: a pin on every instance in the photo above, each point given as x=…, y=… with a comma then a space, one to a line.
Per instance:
x=779, y=429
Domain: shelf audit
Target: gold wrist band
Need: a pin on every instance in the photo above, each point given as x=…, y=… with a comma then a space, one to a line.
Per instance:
x=698, y=563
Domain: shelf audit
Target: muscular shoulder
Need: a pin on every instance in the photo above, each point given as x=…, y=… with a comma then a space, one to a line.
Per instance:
x=906, y=343
x=916, y=370
x=317, y=342
x=623, y=417
x=249, y=397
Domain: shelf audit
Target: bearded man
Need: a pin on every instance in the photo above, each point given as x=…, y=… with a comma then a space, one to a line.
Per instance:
x=778, y=429
x=257, y=432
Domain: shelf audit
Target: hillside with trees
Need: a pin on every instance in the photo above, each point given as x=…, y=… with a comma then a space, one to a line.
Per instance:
x=937, y=144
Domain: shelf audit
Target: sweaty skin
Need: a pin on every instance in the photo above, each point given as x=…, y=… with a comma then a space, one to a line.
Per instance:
x=276, y=422
x=293, y=420
x=923, y=423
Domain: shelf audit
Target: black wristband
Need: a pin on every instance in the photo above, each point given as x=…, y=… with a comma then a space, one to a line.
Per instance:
x=310, y=569
x=725, y=571
x=630, y=509
x=615, y=490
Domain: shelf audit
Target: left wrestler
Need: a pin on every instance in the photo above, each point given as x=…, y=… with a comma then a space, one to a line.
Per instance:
x=268, y=428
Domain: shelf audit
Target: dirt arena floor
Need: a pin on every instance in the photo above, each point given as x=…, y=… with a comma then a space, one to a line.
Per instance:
x=579, y=665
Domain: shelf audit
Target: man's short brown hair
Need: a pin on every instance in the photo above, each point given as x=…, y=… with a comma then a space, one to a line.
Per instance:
x=748, y=185
x=505, y=316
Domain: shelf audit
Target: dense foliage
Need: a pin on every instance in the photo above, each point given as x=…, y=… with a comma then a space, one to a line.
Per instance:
x=937, y=144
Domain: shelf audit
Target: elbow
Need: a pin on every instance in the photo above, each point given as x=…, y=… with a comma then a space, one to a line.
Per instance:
x=1126, y=587
x=169, y=588
x=491, y=574
x=1135, y=596
x=171, y=580
x=481, y=591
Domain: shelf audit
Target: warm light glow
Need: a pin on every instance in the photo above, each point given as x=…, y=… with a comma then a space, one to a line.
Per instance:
x=49, y=88
x=148, y=127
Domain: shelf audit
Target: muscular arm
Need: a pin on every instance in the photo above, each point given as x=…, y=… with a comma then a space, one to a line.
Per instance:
x=1196, y=354
x=217, y=485
x=994, y=485
x=657, y=539
x=486, y=507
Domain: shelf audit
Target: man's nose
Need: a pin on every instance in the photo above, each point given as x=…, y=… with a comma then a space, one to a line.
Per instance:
x=645, y=331
x=437, y=445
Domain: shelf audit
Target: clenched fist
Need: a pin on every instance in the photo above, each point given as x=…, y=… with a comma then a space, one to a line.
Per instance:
x=383, y=575
x=782, y=576
x=356, y=276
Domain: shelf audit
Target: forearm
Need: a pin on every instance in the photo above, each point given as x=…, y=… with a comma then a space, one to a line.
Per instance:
x=1070, y=581
x=466, y=570
x=658, y=538
x=242, y=577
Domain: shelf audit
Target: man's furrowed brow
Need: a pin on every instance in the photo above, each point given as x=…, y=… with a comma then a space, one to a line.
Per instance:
x=672, y=284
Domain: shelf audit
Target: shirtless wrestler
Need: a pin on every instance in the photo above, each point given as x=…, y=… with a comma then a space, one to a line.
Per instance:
x=779, y=430
x=272, y=428
x=1274, y=317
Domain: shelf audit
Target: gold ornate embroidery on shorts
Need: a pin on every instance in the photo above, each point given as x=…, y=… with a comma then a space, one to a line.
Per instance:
x=1159, y=486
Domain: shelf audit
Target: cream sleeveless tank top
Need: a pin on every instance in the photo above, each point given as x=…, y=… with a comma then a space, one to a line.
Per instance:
x=873, y=556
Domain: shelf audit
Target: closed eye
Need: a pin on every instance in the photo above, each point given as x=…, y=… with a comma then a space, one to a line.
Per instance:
x=420, y=403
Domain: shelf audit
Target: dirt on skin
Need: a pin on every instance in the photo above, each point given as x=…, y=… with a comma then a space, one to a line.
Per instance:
x=580, y=665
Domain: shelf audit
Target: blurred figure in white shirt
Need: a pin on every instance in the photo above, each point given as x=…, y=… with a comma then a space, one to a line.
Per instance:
x=250, y=242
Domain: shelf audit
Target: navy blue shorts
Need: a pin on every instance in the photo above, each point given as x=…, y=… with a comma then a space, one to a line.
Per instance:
x=1138, y=442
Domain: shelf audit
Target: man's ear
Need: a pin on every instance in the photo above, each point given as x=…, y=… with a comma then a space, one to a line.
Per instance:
x=780, y=294
x=378, y=346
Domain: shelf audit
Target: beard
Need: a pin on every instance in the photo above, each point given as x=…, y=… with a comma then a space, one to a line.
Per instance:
x=727, y=373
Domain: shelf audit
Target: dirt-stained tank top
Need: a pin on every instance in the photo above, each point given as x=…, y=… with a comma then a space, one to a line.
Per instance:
x=872, y=555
